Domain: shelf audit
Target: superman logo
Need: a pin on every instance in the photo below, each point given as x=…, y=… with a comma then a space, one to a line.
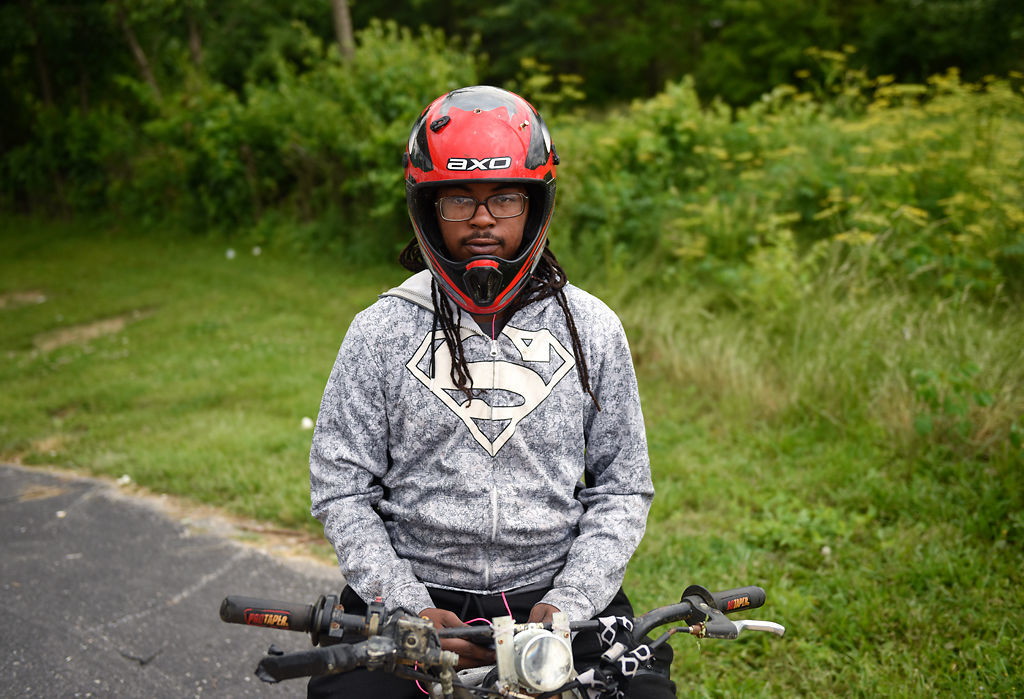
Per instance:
x=505, y=391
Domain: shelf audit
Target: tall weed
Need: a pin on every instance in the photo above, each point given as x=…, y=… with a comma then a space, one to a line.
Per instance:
x=924, y=375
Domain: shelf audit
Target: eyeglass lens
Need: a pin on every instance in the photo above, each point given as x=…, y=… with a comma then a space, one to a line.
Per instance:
x=462, y=208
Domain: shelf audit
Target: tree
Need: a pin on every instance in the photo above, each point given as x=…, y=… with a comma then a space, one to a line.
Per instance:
x=754, y=45
x=140, y=55
x=38, y=53
x=343, y=28
x=914, y=40
x=195, y=40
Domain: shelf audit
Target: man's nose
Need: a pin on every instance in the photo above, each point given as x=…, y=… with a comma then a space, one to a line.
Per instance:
x=481, y=216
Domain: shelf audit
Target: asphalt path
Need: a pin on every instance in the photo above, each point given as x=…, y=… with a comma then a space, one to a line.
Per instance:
x=106, y=595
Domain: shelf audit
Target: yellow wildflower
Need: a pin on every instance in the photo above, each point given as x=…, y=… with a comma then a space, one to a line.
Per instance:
x=855, y=236
x=958, y=200
x=1014, y=213
x=827, y=213
x=693, y=248
x=882, y=171
x=914, y=214
x=784, y=218
x=871, y=219
x=834, y=194
x=855, y=126
x=833, y=56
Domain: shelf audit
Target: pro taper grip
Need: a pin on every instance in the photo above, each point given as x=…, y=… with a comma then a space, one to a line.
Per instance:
x=740, y=598
x=272, y=614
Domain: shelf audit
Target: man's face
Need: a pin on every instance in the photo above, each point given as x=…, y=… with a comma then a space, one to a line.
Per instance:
x=482, y=233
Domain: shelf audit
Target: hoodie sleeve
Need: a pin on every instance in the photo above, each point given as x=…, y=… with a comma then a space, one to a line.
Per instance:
x=347, y=461
x=617, y=502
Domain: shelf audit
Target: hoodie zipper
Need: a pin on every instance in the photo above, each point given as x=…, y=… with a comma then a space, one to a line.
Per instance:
x=494, y=535
x=494, y=490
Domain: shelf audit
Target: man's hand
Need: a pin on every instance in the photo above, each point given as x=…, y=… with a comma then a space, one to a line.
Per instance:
x=470, y=654
x=541, y=613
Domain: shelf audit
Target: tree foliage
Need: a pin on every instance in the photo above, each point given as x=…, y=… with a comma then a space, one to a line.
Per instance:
x=246, y=116
x=738, y=49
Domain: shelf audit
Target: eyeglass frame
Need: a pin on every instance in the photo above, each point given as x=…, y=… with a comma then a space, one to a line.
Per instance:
x=477, y=203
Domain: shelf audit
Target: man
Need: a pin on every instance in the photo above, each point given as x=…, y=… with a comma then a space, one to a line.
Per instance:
x=452, y=439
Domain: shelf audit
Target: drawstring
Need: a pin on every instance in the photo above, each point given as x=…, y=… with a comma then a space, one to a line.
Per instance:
x=577, y=348
x=433, y=348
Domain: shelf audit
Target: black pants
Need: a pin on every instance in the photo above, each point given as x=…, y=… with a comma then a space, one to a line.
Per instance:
x=651, y=683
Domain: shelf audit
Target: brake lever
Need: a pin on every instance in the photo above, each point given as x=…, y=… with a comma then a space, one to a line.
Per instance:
x=758, y=625
x=717, y=626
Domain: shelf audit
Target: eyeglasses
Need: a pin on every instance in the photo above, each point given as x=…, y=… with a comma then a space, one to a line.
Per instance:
x=462, y=208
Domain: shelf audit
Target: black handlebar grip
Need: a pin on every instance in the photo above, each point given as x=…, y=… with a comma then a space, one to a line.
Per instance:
x=740, y=598
x=310, y=663
x=271, y=614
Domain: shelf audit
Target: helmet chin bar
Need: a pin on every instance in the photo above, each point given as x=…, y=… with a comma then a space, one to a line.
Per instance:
x=483, y=281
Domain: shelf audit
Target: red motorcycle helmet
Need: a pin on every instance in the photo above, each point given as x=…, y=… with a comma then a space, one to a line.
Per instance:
x=480, y=134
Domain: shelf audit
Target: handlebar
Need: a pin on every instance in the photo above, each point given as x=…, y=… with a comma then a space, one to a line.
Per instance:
x=327, y=618
x=401, y=643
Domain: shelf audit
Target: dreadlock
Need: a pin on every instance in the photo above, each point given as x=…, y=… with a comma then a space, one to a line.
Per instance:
x=548, y=280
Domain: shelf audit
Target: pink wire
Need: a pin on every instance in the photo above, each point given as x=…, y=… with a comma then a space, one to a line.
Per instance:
x=486, y=621
x=416, y=666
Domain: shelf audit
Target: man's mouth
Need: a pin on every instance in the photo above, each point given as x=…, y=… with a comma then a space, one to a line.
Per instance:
x=482, y=246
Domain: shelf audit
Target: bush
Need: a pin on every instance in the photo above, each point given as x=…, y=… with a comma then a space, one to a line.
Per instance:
x=312, y=138
x=916, y=185
x=70, y=162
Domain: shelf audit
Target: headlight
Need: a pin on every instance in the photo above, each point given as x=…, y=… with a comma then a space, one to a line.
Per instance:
x=543, y=661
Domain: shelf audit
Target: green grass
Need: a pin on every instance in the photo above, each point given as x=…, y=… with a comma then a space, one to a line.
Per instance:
x=204, y=392
x=788, y=450
x=788, y=445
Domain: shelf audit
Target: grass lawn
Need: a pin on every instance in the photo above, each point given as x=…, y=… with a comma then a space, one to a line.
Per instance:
x=859, y=460
x=204, y=388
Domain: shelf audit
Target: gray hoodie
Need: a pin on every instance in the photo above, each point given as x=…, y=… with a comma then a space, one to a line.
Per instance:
x=415, y=485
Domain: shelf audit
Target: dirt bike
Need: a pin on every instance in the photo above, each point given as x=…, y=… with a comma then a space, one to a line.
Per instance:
x=533, y=660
